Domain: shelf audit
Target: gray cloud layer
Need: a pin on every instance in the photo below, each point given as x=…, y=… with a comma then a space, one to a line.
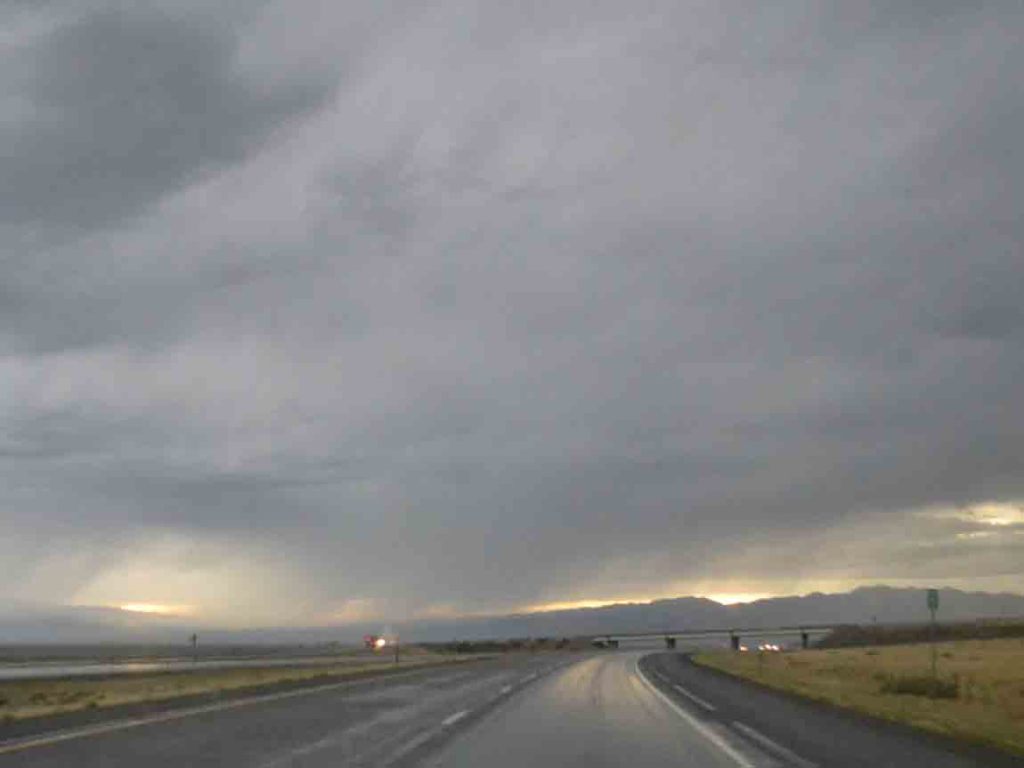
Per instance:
x=123, y=107
x=481, y=305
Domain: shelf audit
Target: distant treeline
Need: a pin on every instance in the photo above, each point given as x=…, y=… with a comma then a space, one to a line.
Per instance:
x=881, y=634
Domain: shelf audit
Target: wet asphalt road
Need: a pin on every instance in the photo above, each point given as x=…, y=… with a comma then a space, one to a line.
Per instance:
x=377, y=722
x=596, y=713
x=598, y=710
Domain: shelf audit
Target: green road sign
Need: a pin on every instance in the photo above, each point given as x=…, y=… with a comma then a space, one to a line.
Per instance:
x=933, y=599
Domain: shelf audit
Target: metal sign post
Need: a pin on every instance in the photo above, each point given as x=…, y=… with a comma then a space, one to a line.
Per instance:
x=933, y=606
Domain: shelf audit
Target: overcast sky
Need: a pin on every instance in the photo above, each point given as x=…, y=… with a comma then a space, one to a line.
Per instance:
x=319, y=311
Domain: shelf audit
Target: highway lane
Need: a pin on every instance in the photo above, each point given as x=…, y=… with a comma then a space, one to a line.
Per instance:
x=544, y=710
x=598, y=712
x=392, y=720
x=629, y=708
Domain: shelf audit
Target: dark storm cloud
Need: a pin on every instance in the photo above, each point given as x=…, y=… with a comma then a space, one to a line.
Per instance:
x=123, y=106
x=541, y=304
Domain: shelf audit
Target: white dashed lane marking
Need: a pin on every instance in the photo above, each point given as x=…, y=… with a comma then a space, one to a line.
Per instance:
x=452, y=719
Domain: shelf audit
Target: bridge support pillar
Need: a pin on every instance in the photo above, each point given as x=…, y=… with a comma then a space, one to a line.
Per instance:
x=805, y=640
x=670, y=643
x=734, y=640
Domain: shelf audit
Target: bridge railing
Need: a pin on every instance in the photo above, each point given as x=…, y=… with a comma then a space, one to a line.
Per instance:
x=735, y=635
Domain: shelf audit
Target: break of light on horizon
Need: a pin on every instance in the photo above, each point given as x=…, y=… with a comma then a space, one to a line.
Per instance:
x=156, y=609
x=737, y=597
x=724, y=598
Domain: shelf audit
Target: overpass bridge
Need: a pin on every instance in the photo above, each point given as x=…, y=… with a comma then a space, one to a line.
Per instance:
x=735, y=635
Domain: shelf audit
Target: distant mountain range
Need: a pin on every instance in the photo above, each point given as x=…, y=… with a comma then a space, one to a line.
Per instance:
x=886, y=605
x=865, y=605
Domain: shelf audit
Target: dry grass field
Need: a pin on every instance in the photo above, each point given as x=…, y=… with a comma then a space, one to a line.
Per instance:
x=982, y=696
x=38, y=698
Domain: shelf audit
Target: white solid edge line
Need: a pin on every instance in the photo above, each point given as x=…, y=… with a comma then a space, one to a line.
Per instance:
x=55, y=737
x=452, y=719
x=700, y=727
x=695, y=698
x=773, y=746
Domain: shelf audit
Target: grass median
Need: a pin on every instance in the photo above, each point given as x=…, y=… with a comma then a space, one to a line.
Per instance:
x=978, y=694
x=20, y=699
